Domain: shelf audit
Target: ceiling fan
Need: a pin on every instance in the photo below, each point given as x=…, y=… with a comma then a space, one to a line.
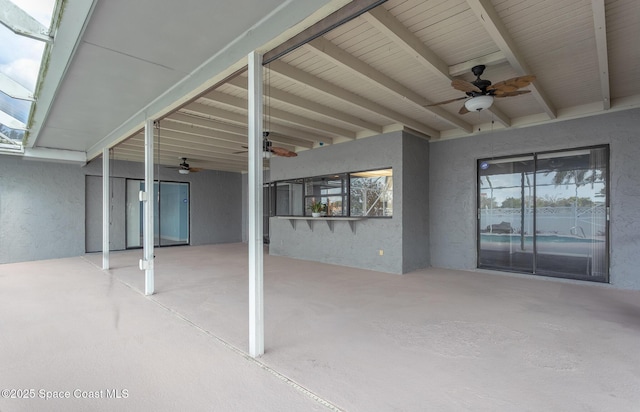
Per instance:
x=480, y=92
x=268, y=148
x=184, y=167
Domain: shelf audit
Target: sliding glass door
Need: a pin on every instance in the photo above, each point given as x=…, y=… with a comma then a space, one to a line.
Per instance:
x=545, y=213
x=506, y=214
x=171, y=214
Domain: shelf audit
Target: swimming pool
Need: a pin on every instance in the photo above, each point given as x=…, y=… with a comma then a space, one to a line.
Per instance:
x=515, y=238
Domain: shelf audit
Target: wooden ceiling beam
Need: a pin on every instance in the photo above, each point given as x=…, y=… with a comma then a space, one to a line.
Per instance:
x=282, y=115
x=394, y=30
x=169, y=159
x=313, y=107
x=341, y=16
x=335, y=91
x=329, y=51
x=212, y=133
x=490, y=59
x=206, y=112
x=489, y=18
x=600, y=26
x=211, y=124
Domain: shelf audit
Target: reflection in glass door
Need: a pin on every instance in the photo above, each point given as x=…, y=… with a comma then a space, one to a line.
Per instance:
x=545, y=214
x=571, y=214
x=171, y=214
x=506, y=192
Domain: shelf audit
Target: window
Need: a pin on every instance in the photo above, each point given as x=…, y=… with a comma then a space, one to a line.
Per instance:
x=289, y=195
x=371, y=193
x=366, y=193
x=545, y=213
x=329, y=190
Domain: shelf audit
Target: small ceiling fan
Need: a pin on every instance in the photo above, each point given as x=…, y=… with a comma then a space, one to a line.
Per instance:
x=480, y=92
x=184, y=167
x=268, y=148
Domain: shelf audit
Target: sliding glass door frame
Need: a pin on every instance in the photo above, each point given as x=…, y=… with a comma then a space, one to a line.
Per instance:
x=569, y=246
x=131, y=198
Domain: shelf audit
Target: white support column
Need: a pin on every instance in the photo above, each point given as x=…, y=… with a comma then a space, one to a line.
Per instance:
x=146, y=263
x=106, y=208
x=256, y=304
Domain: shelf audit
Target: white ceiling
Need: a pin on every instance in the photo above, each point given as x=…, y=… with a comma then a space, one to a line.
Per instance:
x=373, y=74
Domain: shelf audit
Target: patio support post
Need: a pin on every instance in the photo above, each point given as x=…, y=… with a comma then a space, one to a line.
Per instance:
x=256, y=306
x=146, y=196
x=106, y=207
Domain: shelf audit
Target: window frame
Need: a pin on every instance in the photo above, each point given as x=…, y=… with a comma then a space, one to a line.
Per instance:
x=305, y=197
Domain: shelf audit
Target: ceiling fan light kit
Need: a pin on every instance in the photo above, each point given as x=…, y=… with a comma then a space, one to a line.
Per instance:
x=479, y=103
x=480, y=92
x=184, y=168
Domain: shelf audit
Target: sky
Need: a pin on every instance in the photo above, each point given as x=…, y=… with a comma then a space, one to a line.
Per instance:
x=20, y=56
x=508, y=185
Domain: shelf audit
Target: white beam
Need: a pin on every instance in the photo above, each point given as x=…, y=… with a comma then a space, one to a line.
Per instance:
x=388, y=25
x=393, y=29
x=11, y=122
x=239, y=103
x=14, y=89
x=21, y=22
x=599, y=21
x=69, y=29
x=329, y=89
x=487, y=60
x=225, y=115
x=341, y=58
x=256, y=276
x=146, y=196
x=106, y=207
x=487, y=16
x=55, y=155
x=311, y=106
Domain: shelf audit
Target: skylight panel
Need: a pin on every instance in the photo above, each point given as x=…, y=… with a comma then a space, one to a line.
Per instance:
x=23, y=35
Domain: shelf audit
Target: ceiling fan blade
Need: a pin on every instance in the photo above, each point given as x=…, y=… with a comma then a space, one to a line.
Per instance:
x=464, y=86
x=463, y=110
x=281, y=151
x=446, y=101
x=195, y=169
x=500, y=93
x=242, y=151
x=511, y=85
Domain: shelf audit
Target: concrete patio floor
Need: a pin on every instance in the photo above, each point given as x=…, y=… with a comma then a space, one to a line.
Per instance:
x=336, y=338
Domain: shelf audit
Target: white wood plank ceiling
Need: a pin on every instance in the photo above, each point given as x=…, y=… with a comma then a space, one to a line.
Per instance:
x=377, y=73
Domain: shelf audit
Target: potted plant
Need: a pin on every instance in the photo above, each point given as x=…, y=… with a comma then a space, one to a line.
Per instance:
x=316, y=208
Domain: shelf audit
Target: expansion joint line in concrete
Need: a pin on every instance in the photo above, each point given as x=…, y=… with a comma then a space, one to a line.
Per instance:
x=228, y=345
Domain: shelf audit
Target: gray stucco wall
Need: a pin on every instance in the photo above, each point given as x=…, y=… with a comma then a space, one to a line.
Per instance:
x=41, y=210
x=361, y=247
x=43, y=204
x=453, y=186
x=215, y=215
x=415, y=204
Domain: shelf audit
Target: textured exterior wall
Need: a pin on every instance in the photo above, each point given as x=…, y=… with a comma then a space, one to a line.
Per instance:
x=43, y=204
x=41, y=210
x=359, y=248
x=415, y=214
x=453, y=185
x=215, y=215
